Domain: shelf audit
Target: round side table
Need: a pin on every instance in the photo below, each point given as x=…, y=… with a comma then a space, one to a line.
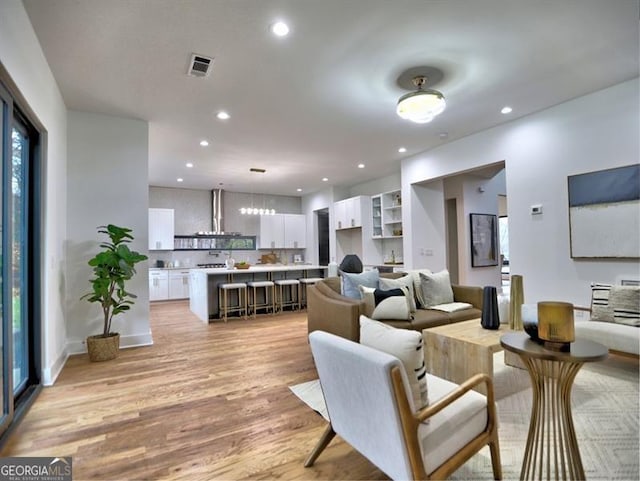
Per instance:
x=552, y=446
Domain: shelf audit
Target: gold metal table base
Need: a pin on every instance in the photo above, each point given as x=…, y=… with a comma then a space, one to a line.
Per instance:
x=552, y=447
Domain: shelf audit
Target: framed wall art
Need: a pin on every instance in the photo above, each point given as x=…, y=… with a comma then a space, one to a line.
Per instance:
x=484, y=240
x=604, y=213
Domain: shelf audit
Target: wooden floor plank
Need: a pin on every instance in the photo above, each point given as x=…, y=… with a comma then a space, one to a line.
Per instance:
x=204, y=402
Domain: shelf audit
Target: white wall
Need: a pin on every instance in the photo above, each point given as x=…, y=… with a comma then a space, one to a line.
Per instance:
x=22, y=57
x=590, y=133
x=107, y=184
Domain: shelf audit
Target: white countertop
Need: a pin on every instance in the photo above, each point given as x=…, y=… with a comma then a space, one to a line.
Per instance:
x=260, y=268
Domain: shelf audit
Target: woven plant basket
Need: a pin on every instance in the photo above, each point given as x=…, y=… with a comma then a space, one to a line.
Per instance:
x=103, y=348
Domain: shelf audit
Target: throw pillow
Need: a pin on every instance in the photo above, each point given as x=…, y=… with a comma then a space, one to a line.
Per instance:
x=351, y=282
x=392, y=304
x=406, y=281
x=436, y=288
x=625, y=303
x=404, y=344
x=600, y=309
x=417, y=289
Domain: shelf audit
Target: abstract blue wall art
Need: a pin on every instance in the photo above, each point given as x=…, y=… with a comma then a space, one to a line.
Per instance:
x=604, y=213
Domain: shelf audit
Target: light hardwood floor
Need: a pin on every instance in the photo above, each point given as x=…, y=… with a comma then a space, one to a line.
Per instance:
x=204, y=402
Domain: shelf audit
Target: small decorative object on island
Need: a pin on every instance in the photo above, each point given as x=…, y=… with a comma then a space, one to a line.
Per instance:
x=516, y=299
x=555, y=325
x=351, y=264
x=230, y=262
x=242, y=265
x=112, y=267
x=490, y=318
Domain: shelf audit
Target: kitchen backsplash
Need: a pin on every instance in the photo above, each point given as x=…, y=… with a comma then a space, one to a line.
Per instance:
x=193, y=258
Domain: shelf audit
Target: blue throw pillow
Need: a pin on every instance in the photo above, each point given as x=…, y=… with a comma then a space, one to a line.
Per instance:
x=351, y=282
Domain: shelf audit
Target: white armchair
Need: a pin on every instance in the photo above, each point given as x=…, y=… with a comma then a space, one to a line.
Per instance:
x=365, y=391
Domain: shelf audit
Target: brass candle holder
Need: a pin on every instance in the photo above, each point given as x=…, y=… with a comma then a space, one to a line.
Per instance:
x=555, y=325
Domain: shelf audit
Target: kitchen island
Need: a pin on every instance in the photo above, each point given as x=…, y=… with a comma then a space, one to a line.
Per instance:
x=203, y=283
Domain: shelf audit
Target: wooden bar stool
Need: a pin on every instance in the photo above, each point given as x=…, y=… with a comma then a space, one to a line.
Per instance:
x=223, y=299
x=304, y=282
x=269, y=297
x=293, y=286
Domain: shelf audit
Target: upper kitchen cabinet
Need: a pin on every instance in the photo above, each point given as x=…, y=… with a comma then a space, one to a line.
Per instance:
x=348, y=212
x=282, y=231
x=295, y=231
x=161, y=229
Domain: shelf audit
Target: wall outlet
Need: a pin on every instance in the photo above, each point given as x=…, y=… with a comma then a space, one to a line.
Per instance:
x=428, y=252
x=536, y=209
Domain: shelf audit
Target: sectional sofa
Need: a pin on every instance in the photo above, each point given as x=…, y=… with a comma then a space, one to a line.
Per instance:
x=328, y=310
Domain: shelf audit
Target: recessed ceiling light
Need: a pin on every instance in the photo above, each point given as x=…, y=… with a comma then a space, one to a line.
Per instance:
x=299, y=189
x=222, y=115
x=280, y=29
x=325, y=179
x=506, y=110
x=189, y=164
x=360, y=166
x=402, y=150
x=204, y=143
x=179, y=179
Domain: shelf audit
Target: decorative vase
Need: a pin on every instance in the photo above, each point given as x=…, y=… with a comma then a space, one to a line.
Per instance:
x=516, y=299
x=230, y=262
x=555, y=324
x=103, y=348
x=490, y=318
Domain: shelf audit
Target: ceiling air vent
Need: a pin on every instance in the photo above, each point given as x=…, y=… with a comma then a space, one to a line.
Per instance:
x=199, y=66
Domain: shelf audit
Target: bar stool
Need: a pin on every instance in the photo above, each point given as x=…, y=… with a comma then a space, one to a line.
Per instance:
x=269, y=297
x=223, y=299
x=294, y=294
x=304, y=282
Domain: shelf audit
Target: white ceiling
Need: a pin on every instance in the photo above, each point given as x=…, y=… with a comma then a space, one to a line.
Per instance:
x=322, y=100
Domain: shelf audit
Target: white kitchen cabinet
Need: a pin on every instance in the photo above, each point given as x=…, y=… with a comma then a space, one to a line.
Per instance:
x=271, y=232
x=295, y=231
x=158, y=285
x=283, y=231
x=161, y=229
x=179, y=284
x=348, y=212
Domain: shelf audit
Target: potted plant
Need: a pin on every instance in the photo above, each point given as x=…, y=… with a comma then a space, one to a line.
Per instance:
x=112, y=267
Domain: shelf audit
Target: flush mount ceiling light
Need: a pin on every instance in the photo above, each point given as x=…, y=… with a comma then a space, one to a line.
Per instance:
x=255, y=210
x=280, y=29
x=422, y=105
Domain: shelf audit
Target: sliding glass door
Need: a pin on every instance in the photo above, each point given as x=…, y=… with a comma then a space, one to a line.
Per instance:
x=19, y=260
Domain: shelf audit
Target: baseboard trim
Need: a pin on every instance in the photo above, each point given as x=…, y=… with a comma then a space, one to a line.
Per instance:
x=50, y=374
x=133, y=340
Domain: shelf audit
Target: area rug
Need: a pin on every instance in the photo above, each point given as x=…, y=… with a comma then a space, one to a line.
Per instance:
x=605, y=400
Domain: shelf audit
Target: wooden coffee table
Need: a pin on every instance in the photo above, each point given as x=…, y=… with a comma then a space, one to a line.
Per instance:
x=458, y=351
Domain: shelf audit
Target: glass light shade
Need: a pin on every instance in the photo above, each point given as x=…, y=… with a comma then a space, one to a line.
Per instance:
x=421, y=106
x=256, y=211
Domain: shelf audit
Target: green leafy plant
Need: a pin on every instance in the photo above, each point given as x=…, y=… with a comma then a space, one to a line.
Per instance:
x=112, y=267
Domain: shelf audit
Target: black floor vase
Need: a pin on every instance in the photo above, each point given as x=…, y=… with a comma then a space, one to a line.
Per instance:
x=490, y=318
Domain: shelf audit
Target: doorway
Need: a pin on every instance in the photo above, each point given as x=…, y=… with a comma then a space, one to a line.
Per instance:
x=323, y=236
x=451, y=208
